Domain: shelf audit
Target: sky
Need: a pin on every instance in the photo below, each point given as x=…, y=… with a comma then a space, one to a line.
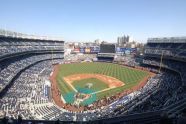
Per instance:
x=88, y=20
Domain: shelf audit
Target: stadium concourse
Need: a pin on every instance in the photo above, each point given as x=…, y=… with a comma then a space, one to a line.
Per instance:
x=26, y=64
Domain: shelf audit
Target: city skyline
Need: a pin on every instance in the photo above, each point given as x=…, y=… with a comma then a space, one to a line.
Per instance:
x=97, y=19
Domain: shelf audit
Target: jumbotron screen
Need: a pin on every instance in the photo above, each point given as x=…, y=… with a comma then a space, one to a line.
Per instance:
x=107, y=48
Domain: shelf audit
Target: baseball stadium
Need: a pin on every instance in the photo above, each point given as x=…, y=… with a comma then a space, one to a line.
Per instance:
x=91, y=83
x=92, y=62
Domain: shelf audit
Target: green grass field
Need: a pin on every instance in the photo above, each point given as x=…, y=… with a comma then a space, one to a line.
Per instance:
x=97, y=85
x=129, y=76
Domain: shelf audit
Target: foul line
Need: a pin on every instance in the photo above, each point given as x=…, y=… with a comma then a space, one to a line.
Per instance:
x=63, y=99
x=70, y=85
x=103, y=90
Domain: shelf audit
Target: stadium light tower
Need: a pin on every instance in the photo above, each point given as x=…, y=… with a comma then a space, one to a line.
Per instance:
x=161, y=61
x=52, y=57
x=6, y=31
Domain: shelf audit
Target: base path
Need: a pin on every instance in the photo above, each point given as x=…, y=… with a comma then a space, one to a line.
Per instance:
x=102, y=90
x=68, y=81
x=110, y=81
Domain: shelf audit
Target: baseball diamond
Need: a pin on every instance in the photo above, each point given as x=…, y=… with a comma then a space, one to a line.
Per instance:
x=96, y=79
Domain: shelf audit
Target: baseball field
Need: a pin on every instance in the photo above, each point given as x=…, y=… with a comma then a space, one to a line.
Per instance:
x=97, y=79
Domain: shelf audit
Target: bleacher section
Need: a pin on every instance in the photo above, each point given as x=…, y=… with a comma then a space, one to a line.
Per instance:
x=11, y=47
x=18, y=46
x=169, y=53
x=171, y=48
x=17, y=82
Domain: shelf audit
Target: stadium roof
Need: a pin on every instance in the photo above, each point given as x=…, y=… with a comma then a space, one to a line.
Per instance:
x=12, y=34
x=167, y=40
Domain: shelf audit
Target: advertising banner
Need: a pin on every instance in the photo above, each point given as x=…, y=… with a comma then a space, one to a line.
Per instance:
x=94, y=49
x=87, y=50
x=82, y=50
x=76, y=50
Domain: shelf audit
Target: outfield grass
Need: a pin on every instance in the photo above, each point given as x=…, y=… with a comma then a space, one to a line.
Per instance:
x=129, y=76
x=97, y=84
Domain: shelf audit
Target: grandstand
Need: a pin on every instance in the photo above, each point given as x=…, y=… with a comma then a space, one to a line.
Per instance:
x=167, y=53
x=19, y=54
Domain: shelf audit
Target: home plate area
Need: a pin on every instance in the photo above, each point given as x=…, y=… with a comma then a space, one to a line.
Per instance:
x=82, y=97
x=86, y=86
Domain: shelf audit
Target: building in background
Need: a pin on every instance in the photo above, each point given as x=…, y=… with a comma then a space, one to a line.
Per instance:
x=127, y=46
x=122, y=41
x=97, y=41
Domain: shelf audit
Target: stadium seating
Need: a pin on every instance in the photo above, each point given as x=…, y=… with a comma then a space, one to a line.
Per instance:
x=16, y=56
x=168, y=50
x=15, y=45
x=26, y=64
x=168, y=56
